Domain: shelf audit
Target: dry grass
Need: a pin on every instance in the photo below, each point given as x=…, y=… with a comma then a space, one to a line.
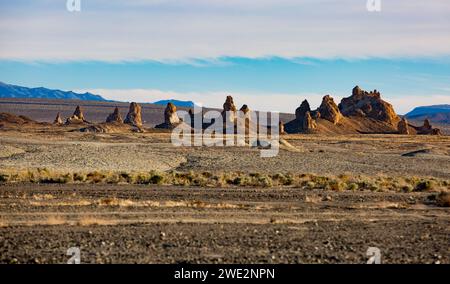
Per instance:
x=118, y=202
x=55, y=220
x=227, y=179
x=90, y=220
x=43, y=203
x=40, y=197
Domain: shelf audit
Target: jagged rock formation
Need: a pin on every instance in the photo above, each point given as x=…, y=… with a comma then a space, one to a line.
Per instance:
x=427, y=124
x=77, y=117
x=281, y=127
x=229, y=108
x=170, y=114
x=302, y=113
x=229, y=105
x=427, y=129
x=134, y=117
x=114, y=117
x=78, y=113
x=58, y=120
x=308, y=123
x=329, y=110
x=368, y=104
x=245, y=109
x=402, y=126
x=171, y=119
x=302, y=110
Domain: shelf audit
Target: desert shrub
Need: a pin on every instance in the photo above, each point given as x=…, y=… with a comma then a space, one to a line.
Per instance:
x=283, y=179
x=142, y=178
x=424, y=185
x=113, y=178
x=207, y=174
x=126, y=177
x=4, y=177
x=255, y=175
x=335, y=185
x=352, y=186
x=344, y=177
x=407, y=188
x=265, y=181
x=43, y=171
x=239, y=180
x=96, y=177
x=310, y=185
x=79, y=177
x=55, y=179
x=320, y=182
x=156, y=178
x=68, y=178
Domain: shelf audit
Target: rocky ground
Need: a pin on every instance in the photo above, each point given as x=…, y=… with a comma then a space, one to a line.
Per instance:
x=166, y=224
x=353, y=154
x=147, y=224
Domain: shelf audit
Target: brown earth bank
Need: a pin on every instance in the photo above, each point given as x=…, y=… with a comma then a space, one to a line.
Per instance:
x=159, y=224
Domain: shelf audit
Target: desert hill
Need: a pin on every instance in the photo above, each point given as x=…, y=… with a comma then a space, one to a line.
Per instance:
x=176, y=103
x=436, y=114
x=13, y=91
x=362, y=112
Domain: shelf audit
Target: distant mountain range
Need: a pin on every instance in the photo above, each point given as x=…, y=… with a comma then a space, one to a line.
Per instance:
x=176, y=103
x=12, y=91
x=435, y=113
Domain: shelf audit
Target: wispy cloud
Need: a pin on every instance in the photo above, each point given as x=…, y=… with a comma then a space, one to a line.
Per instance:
x=114, y=30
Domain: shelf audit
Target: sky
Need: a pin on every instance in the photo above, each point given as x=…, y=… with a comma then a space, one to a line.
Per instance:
x=269, y=54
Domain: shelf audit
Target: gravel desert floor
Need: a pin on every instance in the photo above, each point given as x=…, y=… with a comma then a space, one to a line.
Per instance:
x=142, y=224
x=123, y=223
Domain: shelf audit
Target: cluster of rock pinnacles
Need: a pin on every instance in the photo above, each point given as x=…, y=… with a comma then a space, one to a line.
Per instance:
x=359, y=104
x=134, y=117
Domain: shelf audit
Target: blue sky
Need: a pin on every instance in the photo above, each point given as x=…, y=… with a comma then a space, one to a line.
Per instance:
x=269, y=54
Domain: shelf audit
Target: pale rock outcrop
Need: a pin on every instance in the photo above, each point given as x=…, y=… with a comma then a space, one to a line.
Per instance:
x=308, y=123
x=114, y=117
x=170, y=114
x=229, y=108
x=281, y=127
x=302, y=110
x=77, y=117
x=58, y=120
x=134, y=116
x=298, y=124
x=245, y=109
x=368, y=104
x=171, y=119
x=402, y=126
x=329, y=110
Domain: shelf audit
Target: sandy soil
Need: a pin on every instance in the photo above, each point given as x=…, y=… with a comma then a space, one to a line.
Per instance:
x=141, y=224
x=354, y=154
